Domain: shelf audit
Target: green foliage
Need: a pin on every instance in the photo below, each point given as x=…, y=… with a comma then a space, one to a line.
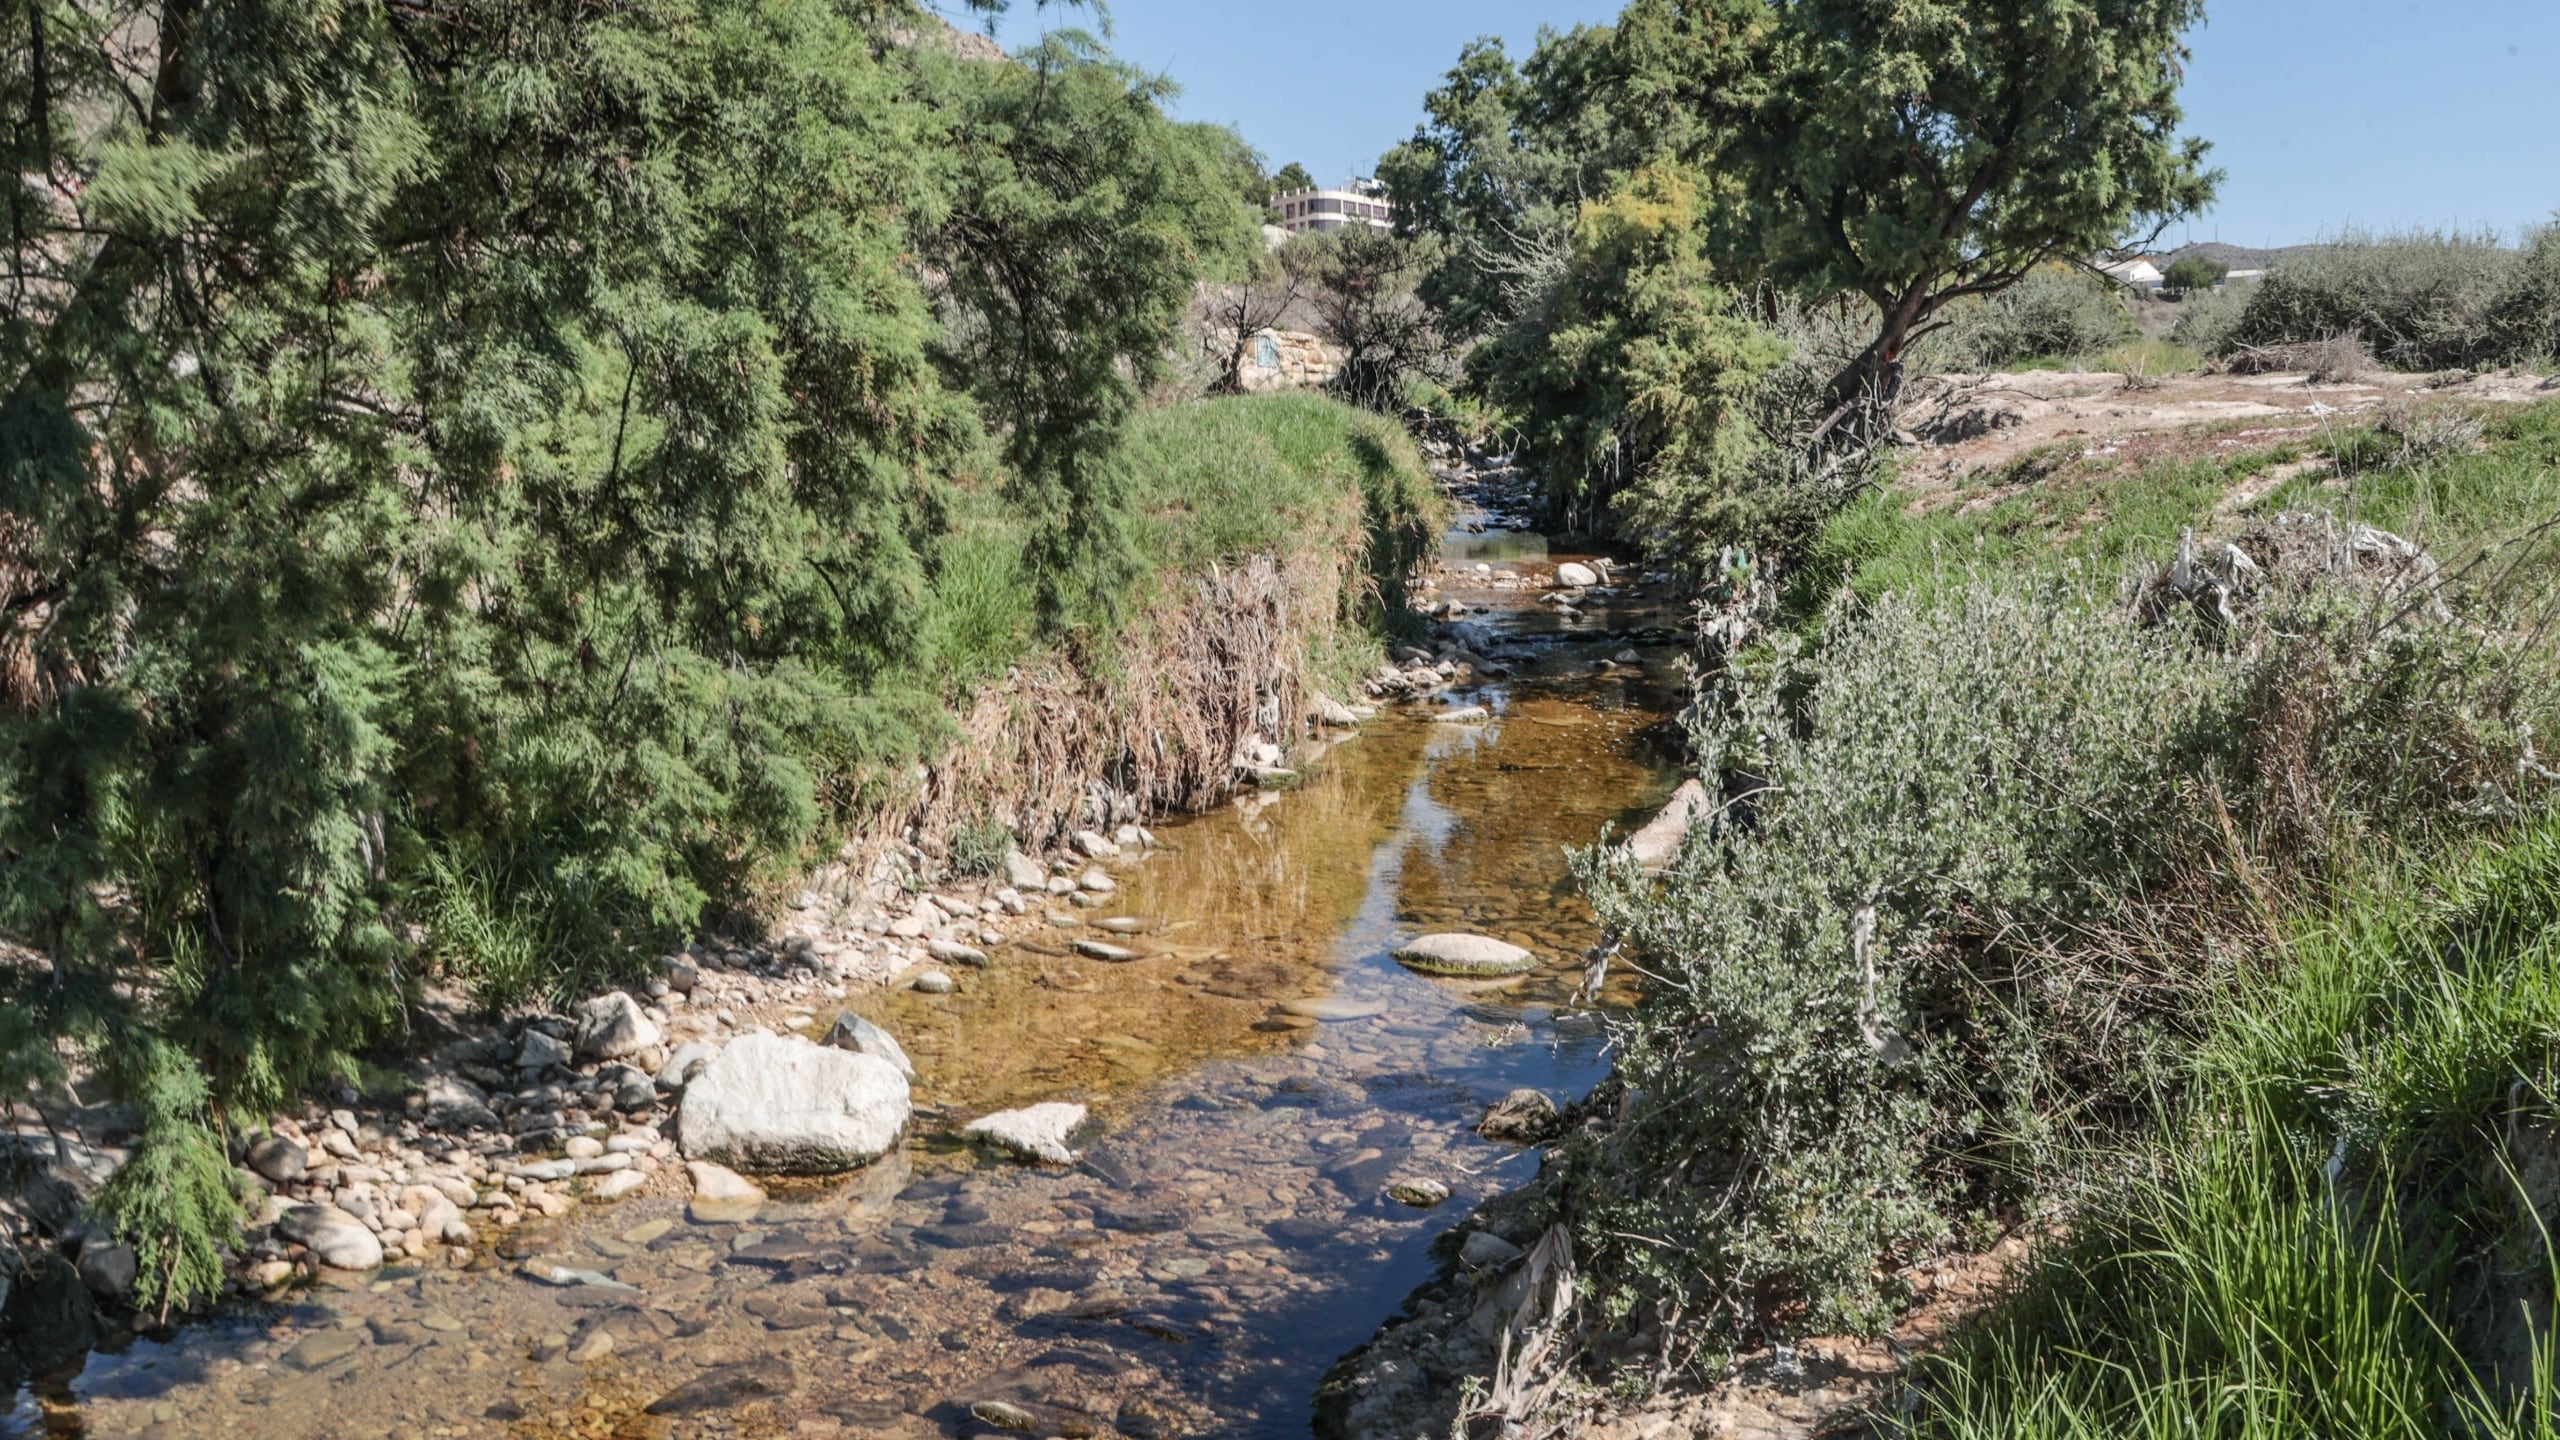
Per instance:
x=490, y=470
x=1633, y=368
x=2338, y=1235
x=1084, y=222
x=980, y=849
x=1919, y=153
x=2420, y=301
x=1221, y=479
x=2206, y=318
x=1292, y=177
x=1831, y=1020
x=175, y=1202
x=2193, y=274
x=2055, y=313
x=2066, y=840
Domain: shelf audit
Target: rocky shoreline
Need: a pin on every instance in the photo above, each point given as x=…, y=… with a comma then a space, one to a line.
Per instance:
x=493, y=1122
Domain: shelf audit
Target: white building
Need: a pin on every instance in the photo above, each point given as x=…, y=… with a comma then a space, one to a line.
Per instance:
x=2137, y=272
x=1362, y=202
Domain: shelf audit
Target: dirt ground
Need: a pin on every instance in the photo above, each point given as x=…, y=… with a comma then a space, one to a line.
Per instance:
x=1967, y=424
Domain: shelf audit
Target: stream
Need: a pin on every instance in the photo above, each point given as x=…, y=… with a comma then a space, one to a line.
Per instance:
x=1258, y=1079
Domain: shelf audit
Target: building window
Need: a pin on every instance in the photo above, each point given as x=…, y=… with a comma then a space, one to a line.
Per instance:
x=1328, y=207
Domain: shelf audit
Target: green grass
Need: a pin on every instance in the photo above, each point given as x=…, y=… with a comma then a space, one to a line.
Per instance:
x=2334, y=1234
x=1205, y=483
x=2058, y=508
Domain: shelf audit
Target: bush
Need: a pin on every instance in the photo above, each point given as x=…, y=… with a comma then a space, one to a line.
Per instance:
x=2207, y=317
x=2420, y=301
x=2056, y=313
x=1827, y=1025
x=1966, y=910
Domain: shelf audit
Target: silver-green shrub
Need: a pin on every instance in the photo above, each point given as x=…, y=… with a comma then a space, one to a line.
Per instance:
x=2420, y=301
x=1831, y=1015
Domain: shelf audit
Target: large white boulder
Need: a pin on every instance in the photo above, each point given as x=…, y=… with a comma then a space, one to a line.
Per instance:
x=771, y=1103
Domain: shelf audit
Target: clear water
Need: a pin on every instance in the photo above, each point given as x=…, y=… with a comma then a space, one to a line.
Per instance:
x=1259, y=1078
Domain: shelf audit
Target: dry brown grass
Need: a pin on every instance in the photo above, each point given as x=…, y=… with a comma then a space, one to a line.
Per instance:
x=1155, y=722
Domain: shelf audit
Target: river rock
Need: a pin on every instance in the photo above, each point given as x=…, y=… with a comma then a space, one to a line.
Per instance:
x=1485, y=1250
x=334, y=1237
x=680, y=974
x=1094, y=882
x=1523, y=1117
x=1094, y=846
x=539, y=1049
x=686, y=1063
x=1420, y=1194
x=852, y=1032
x=1021, y=872
x=952, y=952
x=618, y=1184
x=727, y=1387
x=612, y=1026
x=109, y=1270
x=278, y=1159
x=321, y=1347
x=932, y=982
x=721, y=1196
x=1464, y=715
x=1464, y=956
x=777, y=1104
x=1106, y=951
x=453, y=1103
x=1035, y=1132
x=1658, y=844
x=1333, y=713
x=1576, y=576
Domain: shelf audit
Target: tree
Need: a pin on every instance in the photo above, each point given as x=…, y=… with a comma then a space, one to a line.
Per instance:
x=1918, y=153
x=1635, y=367
x=1292, y=178
x=1361, y=287
x=1272, y=286
x=2190, y=273
x=1083, y=221
x=469, y=474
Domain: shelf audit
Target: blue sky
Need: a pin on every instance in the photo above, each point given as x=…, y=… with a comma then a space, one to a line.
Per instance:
x=2326, y=113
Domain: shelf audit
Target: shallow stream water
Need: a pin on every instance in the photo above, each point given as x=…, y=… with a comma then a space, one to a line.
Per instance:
x=1259, y=1078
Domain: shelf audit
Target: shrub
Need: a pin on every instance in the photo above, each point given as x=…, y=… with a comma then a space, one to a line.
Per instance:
x=2421, y=301
x=979, y=849
x=1967, y=907
x=2207, y=317
x=2056, y=313
x=1820, y=1039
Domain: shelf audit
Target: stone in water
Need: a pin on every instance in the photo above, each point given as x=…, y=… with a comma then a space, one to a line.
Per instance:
x=1465, y=956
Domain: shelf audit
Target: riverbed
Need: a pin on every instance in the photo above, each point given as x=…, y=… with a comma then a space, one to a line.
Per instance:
x=1260, y=1077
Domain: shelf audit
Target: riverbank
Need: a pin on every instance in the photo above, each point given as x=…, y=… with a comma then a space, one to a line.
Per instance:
x=1259, y=1075
x=1278, y=533
x=1930, y=1072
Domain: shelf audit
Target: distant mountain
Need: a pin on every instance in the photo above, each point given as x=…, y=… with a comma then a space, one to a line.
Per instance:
x=2238, y=257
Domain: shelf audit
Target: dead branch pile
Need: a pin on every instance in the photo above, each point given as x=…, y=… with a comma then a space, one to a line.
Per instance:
x=2327, y=361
